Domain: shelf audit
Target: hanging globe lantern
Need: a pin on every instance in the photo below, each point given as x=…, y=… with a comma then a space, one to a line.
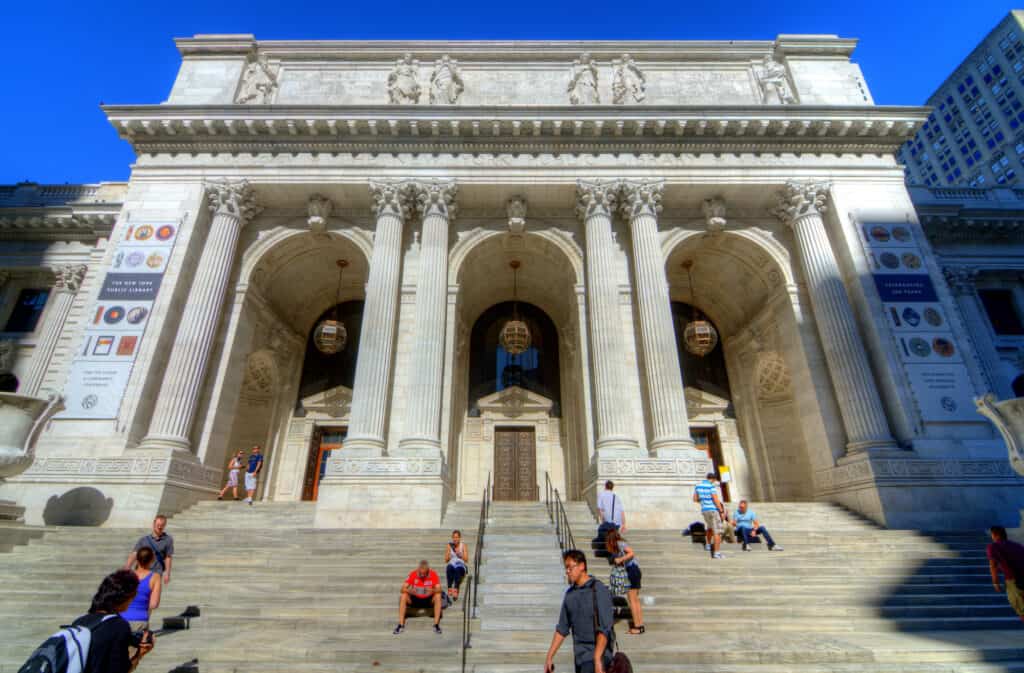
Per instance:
x=330, y=336
x=699, y=335
x=515, y=335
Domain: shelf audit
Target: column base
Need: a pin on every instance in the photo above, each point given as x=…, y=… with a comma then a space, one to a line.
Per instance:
x=673, y=448
x=165, y=442
x=874, y=446
x=364, y=447
x=383, y=492
x=423, y=447
x=622, y=444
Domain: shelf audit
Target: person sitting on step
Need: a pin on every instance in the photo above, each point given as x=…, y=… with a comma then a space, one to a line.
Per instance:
x=748, y=527
x=422, y=590
x=455, y=557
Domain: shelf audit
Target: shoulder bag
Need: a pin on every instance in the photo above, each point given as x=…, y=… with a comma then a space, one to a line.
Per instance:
x=620, y=662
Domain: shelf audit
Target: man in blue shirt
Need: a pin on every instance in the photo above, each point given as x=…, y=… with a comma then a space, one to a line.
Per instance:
x=748, y=526
x=706, y=493
x=252, y=473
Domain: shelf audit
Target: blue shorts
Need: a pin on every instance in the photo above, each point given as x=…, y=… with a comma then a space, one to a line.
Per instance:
x=634, y=574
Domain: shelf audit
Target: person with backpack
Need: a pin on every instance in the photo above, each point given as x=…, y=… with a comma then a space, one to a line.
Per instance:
x=147, y=598
x=100, y=641
x=162, y=545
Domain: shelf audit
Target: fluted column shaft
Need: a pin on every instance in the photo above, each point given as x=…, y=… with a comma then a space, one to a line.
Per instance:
x=596, y=202
x=392, y=204
x=435, y=201
x=666, y=401
x=69, y=279
x=801, y=206
x=232, y=205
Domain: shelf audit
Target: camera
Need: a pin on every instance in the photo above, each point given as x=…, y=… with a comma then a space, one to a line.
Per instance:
x=142, y=637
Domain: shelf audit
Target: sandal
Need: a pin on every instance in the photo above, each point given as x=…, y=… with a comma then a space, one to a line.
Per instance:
x=637, y=630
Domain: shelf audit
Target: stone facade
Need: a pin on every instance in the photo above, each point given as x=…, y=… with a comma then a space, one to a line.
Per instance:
x=601, y=168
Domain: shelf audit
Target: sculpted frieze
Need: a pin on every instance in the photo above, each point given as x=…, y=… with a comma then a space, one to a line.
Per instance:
x=446, y=83
x=259, y=82
x=582, y=86
x=629, y=85
x=403, y=82
x=774, y=82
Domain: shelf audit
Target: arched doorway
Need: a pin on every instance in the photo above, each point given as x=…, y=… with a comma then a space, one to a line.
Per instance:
x=740, y=398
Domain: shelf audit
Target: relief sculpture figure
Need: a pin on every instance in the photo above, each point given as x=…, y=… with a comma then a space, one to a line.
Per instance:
x=259, y=82
x=629, y=84
x=771, y=76
x=446, y=82
x=583, y=82
x=403, y=82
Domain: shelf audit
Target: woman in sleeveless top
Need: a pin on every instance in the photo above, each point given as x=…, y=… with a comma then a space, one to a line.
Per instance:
x=622, y=554
x=455, y=557
x=233, y=467
x=147, y=598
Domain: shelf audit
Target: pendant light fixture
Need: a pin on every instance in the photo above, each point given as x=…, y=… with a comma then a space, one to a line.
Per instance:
x=700, y=336
x=515, y=335
x=331, y=336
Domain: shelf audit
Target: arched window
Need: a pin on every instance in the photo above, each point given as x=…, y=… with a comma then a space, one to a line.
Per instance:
x=322, y=372
x=492, y=368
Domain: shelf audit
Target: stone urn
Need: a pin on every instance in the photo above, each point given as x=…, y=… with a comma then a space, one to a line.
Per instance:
x=1008, y=417
x=21, y=420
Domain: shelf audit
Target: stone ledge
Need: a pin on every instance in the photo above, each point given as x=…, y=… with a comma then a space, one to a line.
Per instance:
x=143, y=470
x=889, y=472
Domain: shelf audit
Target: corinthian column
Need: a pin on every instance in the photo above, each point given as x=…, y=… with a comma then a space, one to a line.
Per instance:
x=232, y=204
x=435, y=201
x=69, y=279
x=800, y=206
x=666, y=402
x=392, y=203
x=595, y=203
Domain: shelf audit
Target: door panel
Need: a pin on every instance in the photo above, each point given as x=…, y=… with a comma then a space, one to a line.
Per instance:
x=325, y=440
x=515, y=464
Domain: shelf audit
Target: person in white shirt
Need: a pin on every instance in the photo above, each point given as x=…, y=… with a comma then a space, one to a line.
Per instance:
x=609, y=506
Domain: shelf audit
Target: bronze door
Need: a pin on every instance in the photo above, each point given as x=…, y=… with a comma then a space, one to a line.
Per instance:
x=515, y=464
x=324, y=441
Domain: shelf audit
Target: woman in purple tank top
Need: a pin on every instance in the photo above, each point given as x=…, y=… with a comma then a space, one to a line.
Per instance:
x=147, y=598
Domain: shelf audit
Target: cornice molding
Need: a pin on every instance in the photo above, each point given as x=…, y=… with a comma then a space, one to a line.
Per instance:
x=411, y=129
x=46, y=224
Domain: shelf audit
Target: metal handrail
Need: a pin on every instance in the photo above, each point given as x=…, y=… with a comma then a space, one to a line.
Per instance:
x=470, y=600
x=556, y=512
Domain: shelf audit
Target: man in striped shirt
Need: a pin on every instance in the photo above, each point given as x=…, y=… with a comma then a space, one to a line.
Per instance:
x=706, y=493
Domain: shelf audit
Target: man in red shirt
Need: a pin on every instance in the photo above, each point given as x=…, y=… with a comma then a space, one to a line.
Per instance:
x=1008, y=557
x=422, y=589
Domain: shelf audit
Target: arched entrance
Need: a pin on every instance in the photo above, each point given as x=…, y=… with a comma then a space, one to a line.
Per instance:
x=740, y=397
x=514, y=416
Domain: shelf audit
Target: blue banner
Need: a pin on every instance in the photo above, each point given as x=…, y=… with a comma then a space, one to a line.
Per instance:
x=905, y=287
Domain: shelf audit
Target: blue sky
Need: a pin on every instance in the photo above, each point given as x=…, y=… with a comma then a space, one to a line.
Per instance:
x=61, y=59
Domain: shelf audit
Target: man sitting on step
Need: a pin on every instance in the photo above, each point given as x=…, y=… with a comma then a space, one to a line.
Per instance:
x=422, y=590
x=748, y=526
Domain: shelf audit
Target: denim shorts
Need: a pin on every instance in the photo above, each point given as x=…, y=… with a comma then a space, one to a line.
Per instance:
x=634, y=574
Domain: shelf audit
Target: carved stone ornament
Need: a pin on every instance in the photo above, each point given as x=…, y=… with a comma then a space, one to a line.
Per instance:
x=516, y=210
x=446, y=83
x=773, y=82
x=232, y=198
x=8, y=349
x=629, y=85
x=69, y=277
x=799, y=199
x=774, y=381
x=1008, y=417
x=961, y=279
x=319, y=208
x=392, y=198
x=403, y=82
x=583, y=82
x=596, y=198
x=714, y=215
x=259, y=82
x=641, y=198
x=436, y=197
x=260, y=373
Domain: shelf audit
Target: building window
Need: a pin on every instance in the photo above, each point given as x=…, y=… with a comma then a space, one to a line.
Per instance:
x=1002, y=311
x=27, y=310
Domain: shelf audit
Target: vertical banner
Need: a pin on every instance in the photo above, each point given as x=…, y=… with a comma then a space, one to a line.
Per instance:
x=931, y=357
x=116, y=323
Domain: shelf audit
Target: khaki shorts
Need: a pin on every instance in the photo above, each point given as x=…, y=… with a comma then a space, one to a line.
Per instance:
x=1016, y=597
x=713, y=522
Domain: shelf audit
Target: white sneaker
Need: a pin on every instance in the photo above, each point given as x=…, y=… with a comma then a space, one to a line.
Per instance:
x=719, y=555
x=777, y=547
x=707, y=547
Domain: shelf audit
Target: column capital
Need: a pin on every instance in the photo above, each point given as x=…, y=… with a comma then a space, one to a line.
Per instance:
x=235, y=198
x=595, y=197
x=69, y=277
x=961, y=278
x=435, y=197
x=800, y=198
x=641, y=197
x=393, y=197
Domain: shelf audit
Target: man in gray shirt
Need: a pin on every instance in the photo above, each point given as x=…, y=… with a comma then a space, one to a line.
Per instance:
x=162, y=545
x=592, y=651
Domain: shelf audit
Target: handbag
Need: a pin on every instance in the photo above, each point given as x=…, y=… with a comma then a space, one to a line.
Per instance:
x=620, y=662
x=619, y=580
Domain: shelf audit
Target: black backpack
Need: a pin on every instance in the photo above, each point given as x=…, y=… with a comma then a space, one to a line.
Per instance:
x=66, y=651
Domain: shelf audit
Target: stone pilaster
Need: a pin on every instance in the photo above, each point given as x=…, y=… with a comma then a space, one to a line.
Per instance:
x=595, y=203
x=392, y=204
x=435, y=202
x=800, y=206
x=666, y=401
x=962, y=283
x=62, y=296
x=232, y=204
